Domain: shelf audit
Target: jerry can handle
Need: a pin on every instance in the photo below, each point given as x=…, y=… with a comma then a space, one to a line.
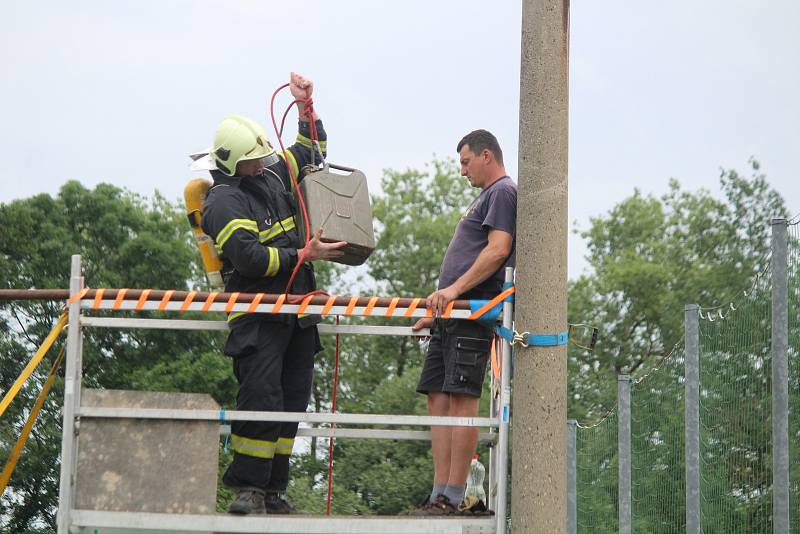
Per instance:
x=340, y=167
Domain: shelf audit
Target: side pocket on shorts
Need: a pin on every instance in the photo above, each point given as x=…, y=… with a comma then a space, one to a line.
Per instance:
x=470, y=362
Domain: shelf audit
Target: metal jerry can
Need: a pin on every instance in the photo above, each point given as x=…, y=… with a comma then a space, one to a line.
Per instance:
x=338, y=202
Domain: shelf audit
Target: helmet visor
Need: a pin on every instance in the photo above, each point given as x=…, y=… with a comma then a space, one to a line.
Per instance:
x=261, y=149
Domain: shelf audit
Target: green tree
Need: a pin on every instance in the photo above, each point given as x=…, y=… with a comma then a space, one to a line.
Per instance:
x=648, y=257
x=125, y=241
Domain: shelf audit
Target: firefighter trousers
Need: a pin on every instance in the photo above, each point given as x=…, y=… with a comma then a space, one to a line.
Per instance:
x=274, y=365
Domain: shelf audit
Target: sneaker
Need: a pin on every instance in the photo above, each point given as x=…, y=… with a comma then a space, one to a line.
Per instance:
x=441, y=506
x=472, y=506
x=423, y=503
x=248, y=501
x=274, y=503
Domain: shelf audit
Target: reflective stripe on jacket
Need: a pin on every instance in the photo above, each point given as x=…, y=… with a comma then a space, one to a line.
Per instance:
x=254, y=223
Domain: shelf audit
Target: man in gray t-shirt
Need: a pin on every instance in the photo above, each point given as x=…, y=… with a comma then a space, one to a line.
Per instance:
x=494, y=209
x=455, y=363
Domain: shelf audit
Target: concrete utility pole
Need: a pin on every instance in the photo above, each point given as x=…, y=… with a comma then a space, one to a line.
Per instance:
x=540, y=376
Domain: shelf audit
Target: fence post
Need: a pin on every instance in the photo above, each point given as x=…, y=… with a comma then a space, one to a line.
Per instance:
x=572, y=477
x=624, y=451
x=692, y=417
x=780, y=379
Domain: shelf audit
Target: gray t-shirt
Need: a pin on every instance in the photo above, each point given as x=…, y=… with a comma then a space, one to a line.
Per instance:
x=495, y=208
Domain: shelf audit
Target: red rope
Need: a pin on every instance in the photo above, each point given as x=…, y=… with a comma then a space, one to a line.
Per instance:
x=301, y=298
x=333, y=426
x=309, y=112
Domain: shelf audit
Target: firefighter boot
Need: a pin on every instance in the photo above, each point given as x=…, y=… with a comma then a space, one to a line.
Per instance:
x=275, y=503
x=248, y=501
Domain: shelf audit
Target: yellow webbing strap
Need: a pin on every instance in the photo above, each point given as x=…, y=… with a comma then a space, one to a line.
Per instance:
x=26, y=430
x=26, y=373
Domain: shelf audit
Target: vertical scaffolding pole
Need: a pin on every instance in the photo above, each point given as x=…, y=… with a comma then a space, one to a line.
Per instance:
x=540, y=373
x=71, y=402
x=572, y=477
x=504, y=409
x=692, y=417
x=491, y=495
x=624, y=452
x=780, y=378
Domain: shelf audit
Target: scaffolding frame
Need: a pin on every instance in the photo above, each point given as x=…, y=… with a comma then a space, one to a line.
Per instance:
x=71, y=520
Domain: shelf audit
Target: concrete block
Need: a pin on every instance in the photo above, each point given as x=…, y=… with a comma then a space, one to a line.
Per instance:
x=137, y=465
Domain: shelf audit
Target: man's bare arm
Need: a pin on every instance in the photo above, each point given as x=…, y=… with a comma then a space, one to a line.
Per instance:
x=490, y=259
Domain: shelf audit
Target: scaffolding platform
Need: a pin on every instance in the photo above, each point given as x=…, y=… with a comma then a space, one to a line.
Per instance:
x=75, y=519
x=92, y=522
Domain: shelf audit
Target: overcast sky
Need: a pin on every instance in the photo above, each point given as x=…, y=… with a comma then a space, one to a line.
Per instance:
x=121, y=92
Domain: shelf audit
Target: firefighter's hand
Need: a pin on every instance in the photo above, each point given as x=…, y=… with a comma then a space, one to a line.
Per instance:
x=438, y=300
x=300, y=87
x=425, y=322
x=317, y=250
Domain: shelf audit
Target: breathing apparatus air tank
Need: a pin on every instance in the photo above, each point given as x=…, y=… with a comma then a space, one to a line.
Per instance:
x=194, y=195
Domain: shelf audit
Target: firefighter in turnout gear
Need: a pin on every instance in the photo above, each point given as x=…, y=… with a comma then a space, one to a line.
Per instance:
x=252, y=216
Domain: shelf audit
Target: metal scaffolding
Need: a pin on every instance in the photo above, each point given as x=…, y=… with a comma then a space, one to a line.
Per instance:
x=72, y=520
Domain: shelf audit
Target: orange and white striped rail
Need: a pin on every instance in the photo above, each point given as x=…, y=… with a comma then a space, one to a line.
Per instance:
x=199, y=301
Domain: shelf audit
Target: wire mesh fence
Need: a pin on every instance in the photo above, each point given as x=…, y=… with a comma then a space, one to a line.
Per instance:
x=596, y=476
x=658, y=486
x=736, y=425
x=736, y=414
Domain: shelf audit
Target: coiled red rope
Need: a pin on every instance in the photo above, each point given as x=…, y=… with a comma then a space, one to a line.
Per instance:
x=309, y=112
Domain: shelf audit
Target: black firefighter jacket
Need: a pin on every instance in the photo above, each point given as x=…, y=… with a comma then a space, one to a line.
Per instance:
x=254, y=224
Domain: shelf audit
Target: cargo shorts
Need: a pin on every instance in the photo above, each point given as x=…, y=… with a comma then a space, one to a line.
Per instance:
x=456, y=358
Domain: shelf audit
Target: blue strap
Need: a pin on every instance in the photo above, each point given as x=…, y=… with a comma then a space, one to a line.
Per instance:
x=505, y=333
x=490, y=317
x=223, y=421
x=547, y=340
x=534, y=340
